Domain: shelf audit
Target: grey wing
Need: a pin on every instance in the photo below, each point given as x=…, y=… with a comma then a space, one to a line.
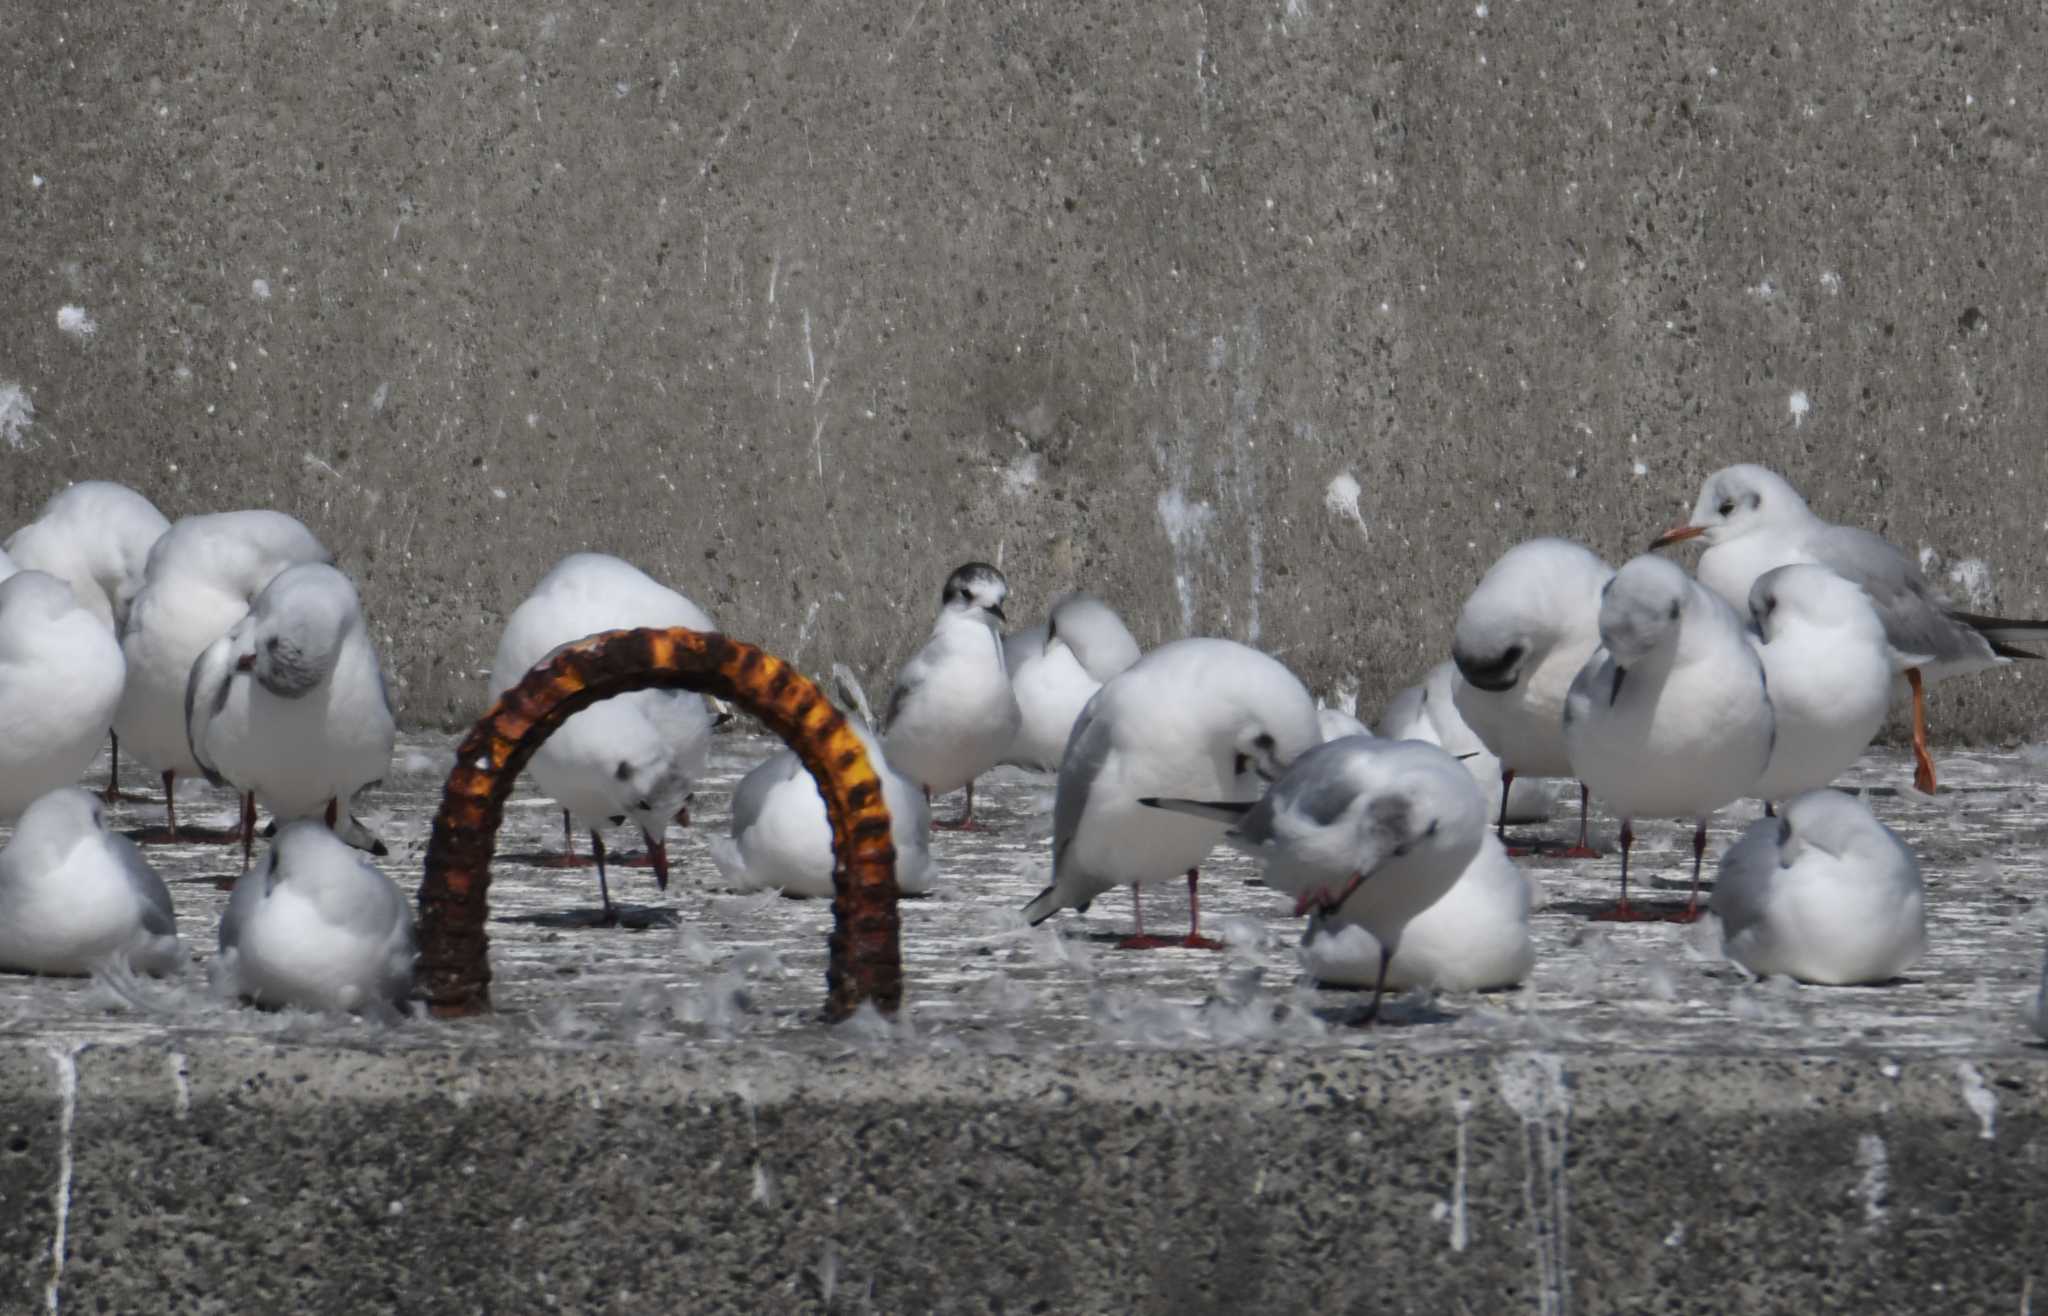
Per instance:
x=1020, y=645
x=906, y=685
x=1915, y=613
x=1317, y=790
x=158, y=916
x=1080, y=767
x=1745, y=877
x=751, y=795
x=206, y=693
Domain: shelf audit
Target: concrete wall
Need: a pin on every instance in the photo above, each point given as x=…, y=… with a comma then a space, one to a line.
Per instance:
x=799, y=304
x=206, y=1175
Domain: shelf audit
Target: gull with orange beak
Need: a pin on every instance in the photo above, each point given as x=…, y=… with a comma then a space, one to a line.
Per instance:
x=1751, y=520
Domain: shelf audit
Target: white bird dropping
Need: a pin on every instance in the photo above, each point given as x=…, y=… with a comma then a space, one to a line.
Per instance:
x=1830, y=675
x=952, y=715
x=75, y=896
x=1522, y=636
x=1669, y=718
x=1198, y=719
x=1371, y=832
x=1823, y=892
x=316, y=925
x=290, y=704
x=633, y=757
x=1752, y=519
x=60, y=680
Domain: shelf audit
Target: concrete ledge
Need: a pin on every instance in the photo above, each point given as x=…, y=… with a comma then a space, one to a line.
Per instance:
x=224, y=1175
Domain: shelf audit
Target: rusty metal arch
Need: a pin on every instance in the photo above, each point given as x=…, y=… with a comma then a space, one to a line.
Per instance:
x=866, y=961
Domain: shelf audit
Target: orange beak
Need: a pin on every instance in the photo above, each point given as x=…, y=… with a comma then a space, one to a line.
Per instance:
x=1672, y=536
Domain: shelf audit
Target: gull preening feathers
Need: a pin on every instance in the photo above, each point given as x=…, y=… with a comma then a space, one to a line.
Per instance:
x=633, y=757
x=1830, y=675
x=1199, y=719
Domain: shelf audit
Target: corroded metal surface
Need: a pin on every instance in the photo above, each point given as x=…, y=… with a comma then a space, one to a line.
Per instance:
x=865, y=963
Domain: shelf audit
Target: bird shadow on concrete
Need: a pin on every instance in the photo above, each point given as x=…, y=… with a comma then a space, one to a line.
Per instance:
x=630, y=918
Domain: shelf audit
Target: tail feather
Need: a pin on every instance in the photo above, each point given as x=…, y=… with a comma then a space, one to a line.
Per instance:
x=2006, y=633
x=1043, y=906
x=1223, y=811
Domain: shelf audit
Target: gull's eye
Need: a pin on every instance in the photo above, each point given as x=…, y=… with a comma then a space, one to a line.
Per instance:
x=1674, y=611
x=1244, y=763
x=643, y=806
x=1727, y=507
x=1432, y=828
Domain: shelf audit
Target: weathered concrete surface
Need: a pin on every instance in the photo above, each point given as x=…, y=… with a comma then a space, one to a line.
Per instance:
x=656, y=1121
x=799, y=304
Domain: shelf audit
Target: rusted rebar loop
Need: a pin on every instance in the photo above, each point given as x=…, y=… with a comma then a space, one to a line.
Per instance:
x=866, y=963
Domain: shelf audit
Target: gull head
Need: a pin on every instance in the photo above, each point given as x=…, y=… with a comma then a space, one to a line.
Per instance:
x=975, y=588
x=1805, y=592
x=1736, y=501
x=1643, y=608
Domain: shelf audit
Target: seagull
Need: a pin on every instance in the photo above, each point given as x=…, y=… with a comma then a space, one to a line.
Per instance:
x=95, y=537
x=631, y=757
x=60, y=680
x=782, y=839
x=290, y=706
x=1823, y=893
x=203, y=574
x=1522, y=637
x=952, y=715
x=1670, y=717
x=1360, y=830
x=1474, y=938
x=1055, y=669
x=1199, y=719
x=316, y=925
x=74, y=896
x=1829, y=670
x=1428, y=711
x=1751, y=519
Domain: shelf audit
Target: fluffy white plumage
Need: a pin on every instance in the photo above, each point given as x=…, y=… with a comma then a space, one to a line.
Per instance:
x=95, y=537
x=1055, y=669
x=1522, y=636
x=634, y=756
x=1830, y=674
x=1823, y=892
x=952, y=714
x=74, y=896
x=782, y=840
x=202, y=575
x=291, y=702
x=316, y=925
x=1199, y=719
x=61, y=674
x=1475, y=937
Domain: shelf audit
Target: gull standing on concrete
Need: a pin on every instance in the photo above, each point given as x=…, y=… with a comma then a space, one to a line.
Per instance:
x=952, y=715
x=1829, y=670
x=203, y=574
x=74, y=896
x=95, y=537
x=782, y=838
x=1521, y=638
x=1752, y=519
x=316, y=925
x=1199, y=719
x=1474, y=938
x=633, y=756
x=1428, y=711
x=1670, y=718
x=1824, y=893
x=290, y=706
x=1364, y=831
x=1055, y=669
x=60, y=680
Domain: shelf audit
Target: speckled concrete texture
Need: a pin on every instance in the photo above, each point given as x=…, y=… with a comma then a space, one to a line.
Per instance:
x=1278, y=321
